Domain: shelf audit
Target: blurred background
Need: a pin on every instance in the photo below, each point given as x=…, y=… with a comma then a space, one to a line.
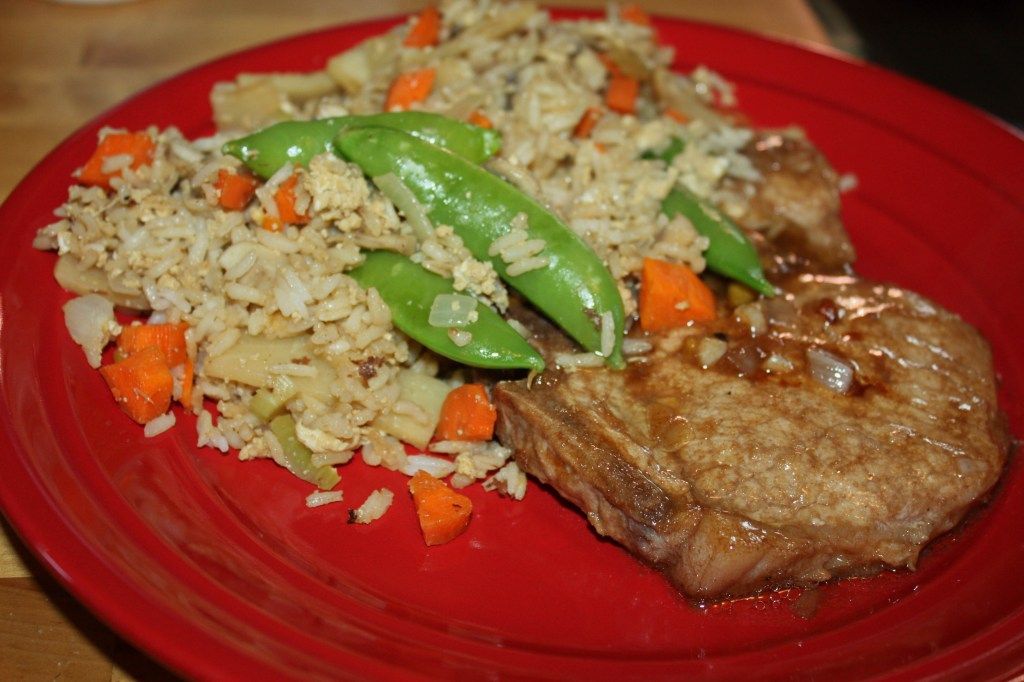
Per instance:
x=972, y=50
x=64, y=63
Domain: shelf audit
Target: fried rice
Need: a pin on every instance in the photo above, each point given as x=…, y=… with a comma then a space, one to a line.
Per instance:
x=159, y=243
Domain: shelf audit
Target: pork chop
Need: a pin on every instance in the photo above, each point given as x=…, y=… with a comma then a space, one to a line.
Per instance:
x=753, y=472
x=796, y=205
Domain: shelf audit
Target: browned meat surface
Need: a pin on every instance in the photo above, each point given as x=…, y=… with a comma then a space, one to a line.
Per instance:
x=797, y=204
x=734, y=478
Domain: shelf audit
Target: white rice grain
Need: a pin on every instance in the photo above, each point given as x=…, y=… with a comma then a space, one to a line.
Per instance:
x=459, y=337
x=526, y=265
x=116, y=163
x=607, y=333
x=293, y=369
x=506, y=241
x=373, y=508
x=522, y=250
x=510, y=481
x=208, y=434
x=519, y=327
x=574, y=360
x=636, y=346
x=221, y=341
x=320, y=498
x=241, y=292
x=435, y=466
x=280, y=175
x=157, y=426
x=277, y=241
x=411, y=410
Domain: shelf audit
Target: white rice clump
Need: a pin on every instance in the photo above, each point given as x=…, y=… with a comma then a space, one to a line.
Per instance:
x=157, y=426
x=509, y=481
x=373, y=508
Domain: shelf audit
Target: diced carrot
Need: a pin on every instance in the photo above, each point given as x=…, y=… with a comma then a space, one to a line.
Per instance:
x=587, y=122
x=187, y=381
x=139, y=146
x=284, y=197
x=671, y=295
x=467, y=414
x=621, y=94
x=426, y=30
x=410, y=87
x=169, y=338
x=601, y=149
x=234, y=190
x=633, y=14
x=479, y=119
x=141, y=384
x=272, y=224
x=677, y=115
x=443, y=513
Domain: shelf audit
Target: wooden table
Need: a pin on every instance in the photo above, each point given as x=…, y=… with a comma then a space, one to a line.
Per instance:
x=65, y=63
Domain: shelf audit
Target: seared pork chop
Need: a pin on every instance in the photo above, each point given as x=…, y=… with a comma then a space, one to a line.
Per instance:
x=796, y=206
x=753, y=473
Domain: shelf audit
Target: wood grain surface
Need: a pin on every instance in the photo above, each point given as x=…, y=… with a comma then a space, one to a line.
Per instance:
x=62, y=64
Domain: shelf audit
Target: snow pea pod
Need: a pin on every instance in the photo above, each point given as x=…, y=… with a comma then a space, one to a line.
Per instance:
x=675, y=145
x=574, y=288
x=729, y=251
x=409, y=291
x=297, y=142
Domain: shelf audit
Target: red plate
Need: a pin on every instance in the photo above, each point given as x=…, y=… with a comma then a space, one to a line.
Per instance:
x=218, y=569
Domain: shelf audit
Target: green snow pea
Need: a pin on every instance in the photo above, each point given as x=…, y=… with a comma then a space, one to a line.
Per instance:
x=675, y=145
x=409, y=291
x=729, y=251
x=574, y=288
x=297, y=142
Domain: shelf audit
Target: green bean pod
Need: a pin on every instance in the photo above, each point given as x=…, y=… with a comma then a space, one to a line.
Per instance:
x=409, y=291
x=574, y=289
x=729, y=251
x=297, y=142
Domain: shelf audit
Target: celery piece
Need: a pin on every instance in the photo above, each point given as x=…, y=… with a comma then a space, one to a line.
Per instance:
x=267, y=404
x=298, y=458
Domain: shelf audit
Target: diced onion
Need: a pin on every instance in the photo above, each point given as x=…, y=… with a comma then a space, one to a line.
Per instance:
x=711, y=351
x=452, y=310
x=830, y=370
x=90, y=320
x=403, y=199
